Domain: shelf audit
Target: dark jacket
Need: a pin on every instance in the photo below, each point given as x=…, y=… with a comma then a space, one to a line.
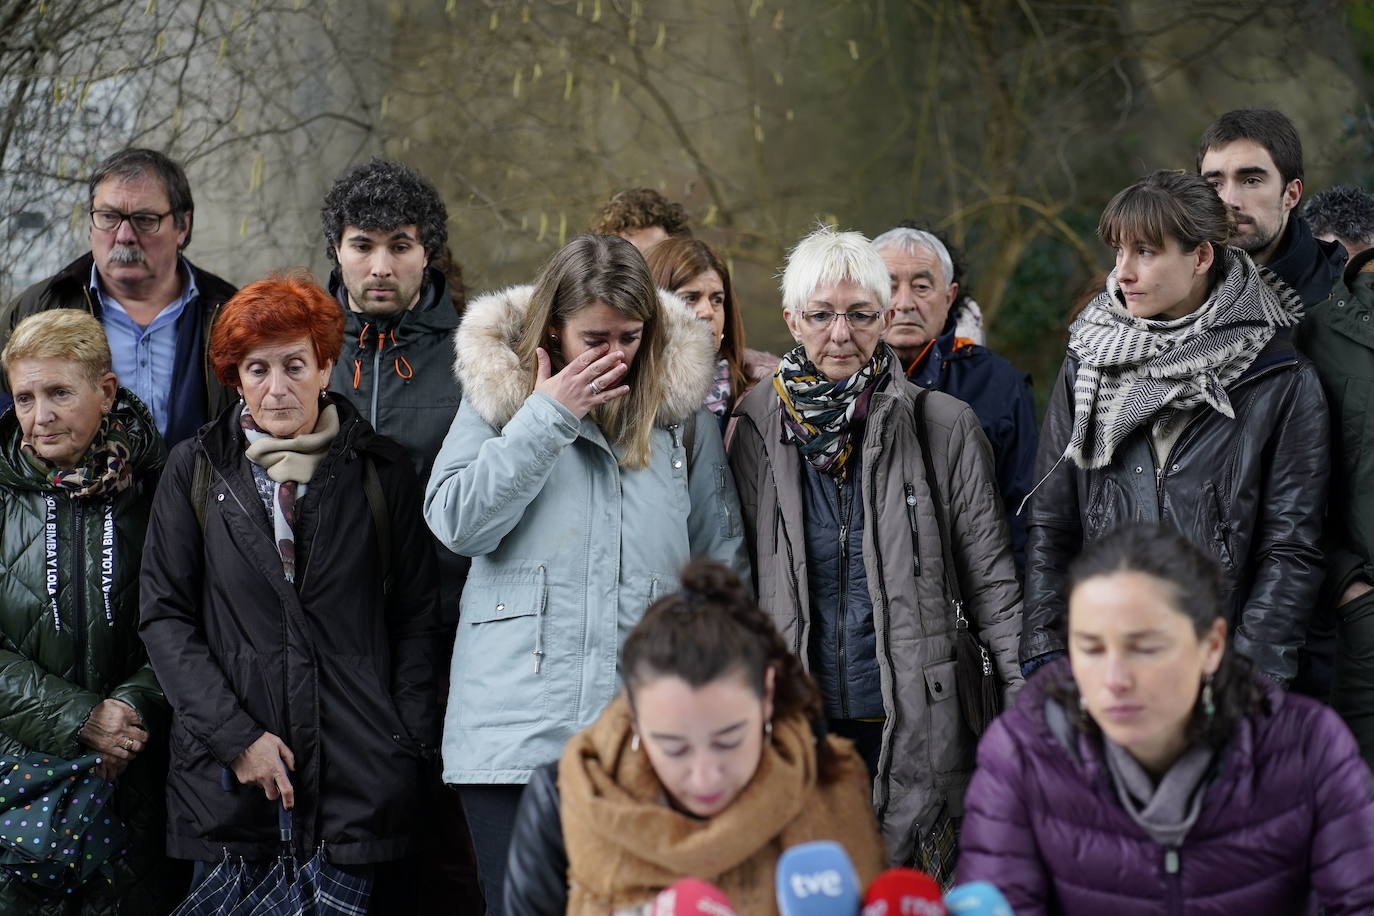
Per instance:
x=537, y=866
x=398, y=373
x=927, y=750
x=1001, y=397
x=1250, y=491
x=1289, y=811
x=1306, y=263
x=51, y=678
x=1338, y=336
x=339, y=668
x=197, y=394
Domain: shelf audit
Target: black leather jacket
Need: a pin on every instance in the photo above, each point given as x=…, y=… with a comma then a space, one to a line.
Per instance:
x=537, y=865
x=1251, y=490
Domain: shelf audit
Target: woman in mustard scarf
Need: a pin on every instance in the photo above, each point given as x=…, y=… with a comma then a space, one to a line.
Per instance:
x=707, y=765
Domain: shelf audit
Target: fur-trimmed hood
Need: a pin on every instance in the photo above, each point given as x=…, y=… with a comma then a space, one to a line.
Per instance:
x=495, y=383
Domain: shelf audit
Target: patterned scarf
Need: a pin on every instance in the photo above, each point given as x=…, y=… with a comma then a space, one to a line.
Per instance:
x=1132, y=369
x=718, y=399
x=104, y=470
x=820, y=415
x=286, y=466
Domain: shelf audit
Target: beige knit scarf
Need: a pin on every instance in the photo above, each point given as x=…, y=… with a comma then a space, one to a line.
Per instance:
x=296, y=458
x=625, y=844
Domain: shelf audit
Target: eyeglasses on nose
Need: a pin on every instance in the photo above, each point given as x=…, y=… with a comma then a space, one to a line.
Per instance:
x=143, y=223
x=822, y=318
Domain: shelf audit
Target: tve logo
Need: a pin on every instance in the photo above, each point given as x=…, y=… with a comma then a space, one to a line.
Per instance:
x=828, y=883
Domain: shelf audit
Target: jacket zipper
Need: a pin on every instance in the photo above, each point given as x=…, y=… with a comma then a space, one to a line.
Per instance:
x=781, y=527
x=915, y=534
x=79, y=592
x=1173, y=880
x=845, y=499
x=884, y=637
x=376, y=377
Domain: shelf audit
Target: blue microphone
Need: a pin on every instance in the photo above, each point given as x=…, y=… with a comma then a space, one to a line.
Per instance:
x=977, y=898
x=817, y=879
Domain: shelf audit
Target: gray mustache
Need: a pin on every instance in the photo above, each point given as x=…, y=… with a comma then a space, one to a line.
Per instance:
x=126, y=254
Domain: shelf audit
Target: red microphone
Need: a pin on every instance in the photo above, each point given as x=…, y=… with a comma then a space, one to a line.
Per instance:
x=904, y=892
x=692, y=897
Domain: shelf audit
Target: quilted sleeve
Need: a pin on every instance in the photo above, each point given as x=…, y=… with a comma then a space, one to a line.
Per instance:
x=39, y=709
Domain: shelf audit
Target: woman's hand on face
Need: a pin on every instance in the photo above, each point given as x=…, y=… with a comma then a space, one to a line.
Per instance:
x=113, y=731
x=264, y=764
x=586, y=382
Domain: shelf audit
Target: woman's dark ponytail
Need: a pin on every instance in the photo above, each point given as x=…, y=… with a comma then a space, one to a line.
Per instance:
x=712, y=627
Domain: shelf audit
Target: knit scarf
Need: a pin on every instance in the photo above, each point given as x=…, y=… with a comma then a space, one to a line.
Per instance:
x=819, y=415
x=718, y=398
x=1131, y=370
x=103, y=471
x=289, y=463
x=625, y=844
x=1166, y=810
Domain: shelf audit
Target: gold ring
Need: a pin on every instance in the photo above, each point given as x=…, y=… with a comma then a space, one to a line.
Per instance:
x=128, y=743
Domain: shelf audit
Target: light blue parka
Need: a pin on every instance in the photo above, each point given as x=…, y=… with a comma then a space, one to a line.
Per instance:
x=568, y=548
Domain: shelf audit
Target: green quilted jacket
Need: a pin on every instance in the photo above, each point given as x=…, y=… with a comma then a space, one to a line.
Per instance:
x=52, y=676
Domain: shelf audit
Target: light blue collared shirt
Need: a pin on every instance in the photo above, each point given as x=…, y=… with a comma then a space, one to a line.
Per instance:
x=145, y=358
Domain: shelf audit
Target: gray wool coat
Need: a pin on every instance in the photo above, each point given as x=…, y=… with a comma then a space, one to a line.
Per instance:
x=927, y=750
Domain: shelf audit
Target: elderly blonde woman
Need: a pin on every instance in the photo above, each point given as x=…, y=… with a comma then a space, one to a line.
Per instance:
x=79, y=458
x=858, y=551
x=580, y=475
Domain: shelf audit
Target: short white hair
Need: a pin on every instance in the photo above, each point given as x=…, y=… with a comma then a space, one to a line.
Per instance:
x=909, y=240
x=829, y=256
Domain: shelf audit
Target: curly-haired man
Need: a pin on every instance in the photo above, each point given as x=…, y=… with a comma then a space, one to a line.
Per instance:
x=641, y=216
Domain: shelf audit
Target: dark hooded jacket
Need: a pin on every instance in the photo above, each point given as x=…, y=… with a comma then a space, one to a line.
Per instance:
x=1306, y=263
x=51, y=678
x=196, y=393
x=1001, y=398
x=398, y=373
x=338, y=665
x=1288, y=813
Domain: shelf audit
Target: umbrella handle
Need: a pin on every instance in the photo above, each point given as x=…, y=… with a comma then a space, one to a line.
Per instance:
x=226, y=782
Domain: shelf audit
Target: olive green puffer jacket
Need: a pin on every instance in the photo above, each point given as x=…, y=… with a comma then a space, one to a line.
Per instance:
x=51, y=678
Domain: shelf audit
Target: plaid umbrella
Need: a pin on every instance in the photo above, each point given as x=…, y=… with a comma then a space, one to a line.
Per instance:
x=55, y=831
x=282, y=888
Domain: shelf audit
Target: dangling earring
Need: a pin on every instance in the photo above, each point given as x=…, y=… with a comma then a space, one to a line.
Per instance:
x=768, y=731
x=634, y=743
x=1209, y=708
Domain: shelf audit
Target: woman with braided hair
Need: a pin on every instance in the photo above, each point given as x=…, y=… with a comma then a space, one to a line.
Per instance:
x=1182, y=401
x=710, y=763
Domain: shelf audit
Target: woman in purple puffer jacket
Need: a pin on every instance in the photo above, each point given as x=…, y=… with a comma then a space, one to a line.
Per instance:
x=1154, y=772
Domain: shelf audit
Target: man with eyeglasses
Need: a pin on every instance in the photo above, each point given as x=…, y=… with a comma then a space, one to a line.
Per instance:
x=156, y=307
x=934, y=355
x=855, y=486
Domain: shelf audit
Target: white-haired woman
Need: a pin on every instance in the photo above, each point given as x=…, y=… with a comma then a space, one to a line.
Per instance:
x=580, y=474
x=858, y=551
x=79, y=460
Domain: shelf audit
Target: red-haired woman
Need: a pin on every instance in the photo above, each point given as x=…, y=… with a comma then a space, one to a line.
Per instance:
x=288, y=604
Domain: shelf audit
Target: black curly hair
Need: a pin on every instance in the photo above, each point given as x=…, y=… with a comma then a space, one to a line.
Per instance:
x=379, y=195
x=1345, y=211
x=711, y=628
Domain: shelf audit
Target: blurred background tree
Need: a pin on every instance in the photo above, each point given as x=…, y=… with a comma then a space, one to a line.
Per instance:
x=1006, y=123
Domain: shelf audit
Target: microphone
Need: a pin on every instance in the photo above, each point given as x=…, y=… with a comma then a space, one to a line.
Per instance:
x=691, y=897
x=817, y=879
x=977, y=898
x=904, y=892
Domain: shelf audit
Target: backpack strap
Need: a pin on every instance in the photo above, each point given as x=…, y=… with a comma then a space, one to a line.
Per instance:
x=381, y=519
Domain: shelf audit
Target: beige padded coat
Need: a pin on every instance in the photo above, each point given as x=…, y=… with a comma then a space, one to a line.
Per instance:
x=927, y=751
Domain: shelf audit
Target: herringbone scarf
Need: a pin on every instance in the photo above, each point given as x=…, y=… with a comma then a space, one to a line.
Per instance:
x=1130, y=369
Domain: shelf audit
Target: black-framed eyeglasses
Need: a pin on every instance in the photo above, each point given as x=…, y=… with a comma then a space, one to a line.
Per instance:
x=822, y=318
x=143, y=223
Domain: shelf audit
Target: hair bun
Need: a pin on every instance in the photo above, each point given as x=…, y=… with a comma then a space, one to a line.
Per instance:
x=713, y=582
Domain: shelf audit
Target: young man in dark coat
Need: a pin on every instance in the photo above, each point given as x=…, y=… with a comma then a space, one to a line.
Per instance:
x=155, y=305
x=934, y=355
x=385, y=229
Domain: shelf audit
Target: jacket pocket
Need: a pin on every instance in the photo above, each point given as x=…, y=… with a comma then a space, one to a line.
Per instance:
x=939, y=681
x=499, y=675
x=949, y=742
x=1106, y=505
